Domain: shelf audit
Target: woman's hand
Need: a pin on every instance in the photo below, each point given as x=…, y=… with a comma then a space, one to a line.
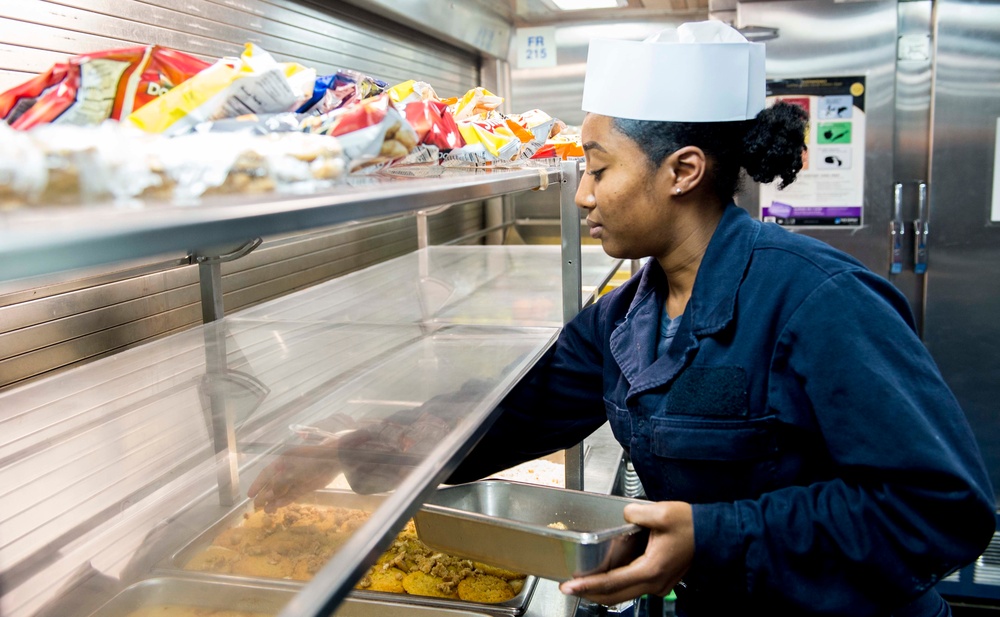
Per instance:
x=296, y=471
x=668, y=556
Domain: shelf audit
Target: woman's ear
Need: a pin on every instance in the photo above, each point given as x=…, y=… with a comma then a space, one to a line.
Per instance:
x=687, y=166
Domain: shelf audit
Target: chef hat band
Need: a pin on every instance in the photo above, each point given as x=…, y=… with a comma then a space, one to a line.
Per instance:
x=698, y=72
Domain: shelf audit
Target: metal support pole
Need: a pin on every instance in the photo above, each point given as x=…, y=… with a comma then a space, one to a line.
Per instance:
x=493, y=218
x=210, y=283
x=210, y=275
x=223, y=416
x=572, y=285
x=216, y=378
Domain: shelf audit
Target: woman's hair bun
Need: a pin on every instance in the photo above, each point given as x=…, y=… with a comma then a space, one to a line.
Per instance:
x=774, y=144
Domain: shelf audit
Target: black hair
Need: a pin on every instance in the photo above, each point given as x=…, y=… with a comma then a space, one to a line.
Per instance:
x=768, y=147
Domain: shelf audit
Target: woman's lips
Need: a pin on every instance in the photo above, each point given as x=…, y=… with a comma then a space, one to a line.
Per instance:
x=595, y=229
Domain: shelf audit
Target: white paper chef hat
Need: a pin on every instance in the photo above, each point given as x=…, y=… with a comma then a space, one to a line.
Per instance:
x=698, y=72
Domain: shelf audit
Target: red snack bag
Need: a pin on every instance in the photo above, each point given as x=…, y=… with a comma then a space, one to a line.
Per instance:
x=21, y=98
x=371, y=131
x=434, y=124
x=109, y=84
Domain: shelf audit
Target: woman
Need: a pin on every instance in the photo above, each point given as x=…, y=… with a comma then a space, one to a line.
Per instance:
x=802, y=451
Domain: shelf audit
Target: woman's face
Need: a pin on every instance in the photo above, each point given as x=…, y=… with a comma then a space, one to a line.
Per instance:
x=626, y=199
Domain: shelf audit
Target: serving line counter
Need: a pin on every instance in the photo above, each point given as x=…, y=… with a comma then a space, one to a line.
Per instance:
x=111, y=468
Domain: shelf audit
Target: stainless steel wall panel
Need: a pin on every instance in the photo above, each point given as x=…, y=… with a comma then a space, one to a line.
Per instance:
x=48, y=333
x=52, y=38
x=825, y=38
x=962, y=328
x=96, y=344
x=59, y=306
x=9, y=79
x=326, y=38
x=26, y=58
x=559, y=89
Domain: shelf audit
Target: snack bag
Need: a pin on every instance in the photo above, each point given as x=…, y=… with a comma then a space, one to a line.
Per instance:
x=412, y=91
x=491, y=140
x=256, y=124
x=539, y=124
x=563, y=147
x=343, y=88
x=371, y=131
x=433, y=124
x=91, y=88
x=252, y=84
x=20, y=98
x=475, y=102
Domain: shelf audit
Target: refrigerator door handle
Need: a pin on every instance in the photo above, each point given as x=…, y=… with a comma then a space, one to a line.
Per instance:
x=920, y=230
x=896, y=231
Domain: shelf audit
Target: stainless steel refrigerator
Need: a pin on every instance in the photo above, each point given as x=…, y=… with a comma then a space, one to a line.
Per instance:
x=928, y=194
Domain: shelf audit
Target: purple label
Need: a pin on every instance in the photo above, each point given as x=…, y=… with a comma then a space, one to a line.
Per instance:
x=780, y=210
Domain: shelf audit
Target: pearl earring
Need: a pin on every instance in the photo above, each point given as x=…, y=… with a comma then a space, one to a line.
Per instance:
x=678, y=191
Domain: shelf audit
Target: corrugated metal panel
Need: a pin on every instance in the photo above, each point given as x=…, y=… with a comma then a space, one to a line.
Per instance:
x=36, y=33
x=63, y=324
x=60, y=329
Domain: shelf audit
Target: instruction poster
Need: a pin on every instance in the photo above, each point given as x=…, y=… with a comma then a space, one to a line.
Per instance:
x=829, y=191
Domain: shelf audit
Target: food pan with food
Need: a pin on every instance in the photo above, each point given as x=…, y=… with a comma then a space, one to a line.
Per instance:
x=184, y=597
x=548, y=532
x=289, y=545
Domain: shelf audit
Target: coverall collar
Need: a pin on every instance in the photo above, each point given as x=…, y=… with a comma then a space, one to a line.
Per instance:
x=709, y=310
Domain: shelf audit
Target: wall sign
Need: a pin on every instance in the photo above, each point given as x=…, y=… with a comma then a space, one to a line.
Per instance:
x=829, y=191
x=535, y=48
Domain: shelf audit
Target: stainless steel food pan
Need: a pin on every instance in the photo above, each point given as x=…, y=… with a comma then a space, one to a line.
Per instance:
x=508, y=524
x=342, y=499
x=248, y=598
x=201, y=594
x=175, y=563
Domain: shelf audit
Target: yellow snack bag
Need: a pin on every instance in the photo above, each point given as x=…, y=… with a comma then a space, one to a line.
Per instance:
x=474, y=102
x=254, y=83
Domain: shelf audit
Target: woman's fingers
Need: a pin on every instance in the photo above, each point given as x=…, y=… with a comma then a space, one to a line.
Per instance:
x=619, y=585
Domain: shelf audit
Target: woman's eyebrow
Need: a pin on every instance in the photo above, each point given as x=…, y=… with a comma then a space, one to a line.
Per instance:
x=593, y=145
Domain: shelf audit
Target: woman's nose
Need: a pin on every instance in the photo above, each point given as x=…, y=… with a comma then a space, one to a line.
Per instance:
x=585, y=194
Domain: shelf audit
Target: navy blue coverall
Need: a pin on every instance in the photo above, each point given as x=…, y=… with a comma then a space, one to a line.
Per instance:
x=832, y=471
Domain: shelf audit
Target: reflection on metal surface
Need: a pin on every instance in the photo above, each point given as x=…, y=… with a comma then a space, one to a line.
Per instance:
x=961, y=327
x=472, y=25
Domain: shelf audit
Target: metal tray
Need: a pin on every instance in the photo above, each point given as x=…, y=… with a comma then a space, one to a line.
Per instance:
x=507, y=524
x=175, y=563
x=247, y=597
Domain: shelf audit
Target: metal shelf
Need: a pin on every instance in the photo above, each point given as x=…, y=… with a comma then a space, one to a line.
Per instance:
x=42, y=240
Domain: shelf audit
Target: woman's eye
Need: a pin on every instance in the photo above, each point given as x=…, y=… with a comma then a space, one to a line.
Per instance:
x=596, y=173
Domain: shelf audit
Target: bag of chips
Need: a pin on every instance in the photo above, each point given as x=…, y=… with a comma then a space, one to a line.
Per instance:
x=371, y=131
x=91, y=88
x=254, y=83
x=340, y=89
